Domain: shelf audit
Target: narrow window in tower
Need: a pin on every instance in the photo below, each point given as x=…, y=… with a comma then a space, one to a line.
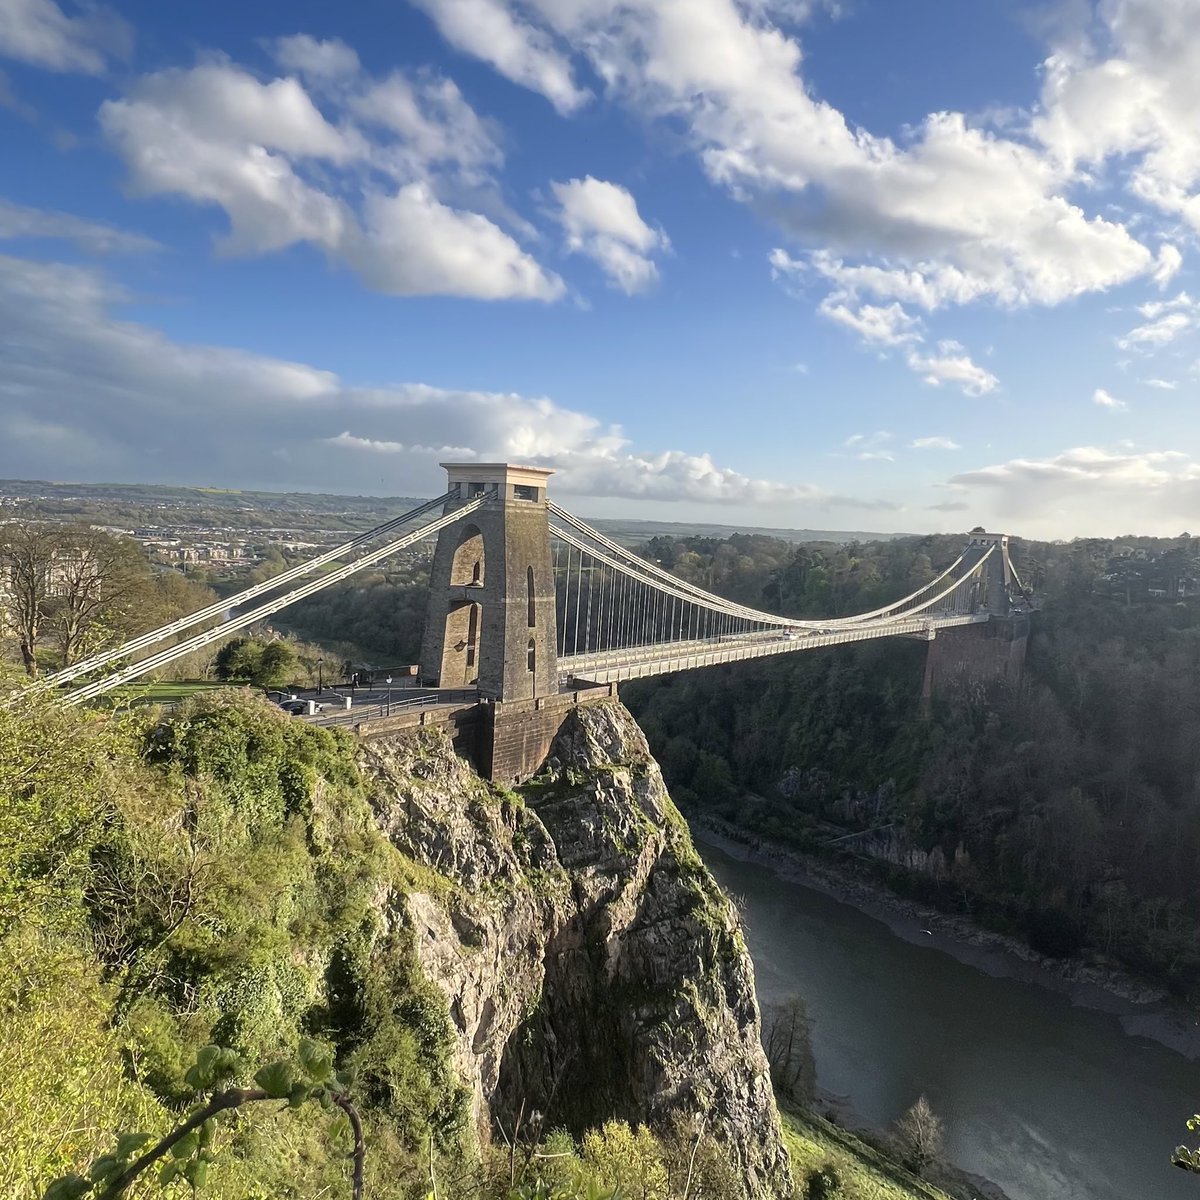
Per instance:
x=531, y=656
x=472, y=635
x=477, y=573
x=532, y=616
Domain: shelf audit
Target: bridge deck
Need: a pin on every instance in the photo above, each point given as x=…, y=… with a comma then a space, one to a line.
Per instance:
x=636, y=662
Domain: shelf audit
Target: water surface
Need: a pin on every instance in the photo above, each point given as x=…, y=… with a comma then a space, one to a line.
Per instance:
x=1049, y=1100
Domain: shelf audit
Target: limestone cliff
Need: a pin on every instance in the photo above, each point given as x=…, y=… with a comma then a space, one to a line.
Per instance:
x=591, y=966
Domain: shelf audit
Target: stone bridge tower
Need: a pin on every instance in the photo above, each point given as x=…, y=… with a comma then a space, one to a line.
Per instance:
x=995, y=592
x=491, y=620
x=973, y=656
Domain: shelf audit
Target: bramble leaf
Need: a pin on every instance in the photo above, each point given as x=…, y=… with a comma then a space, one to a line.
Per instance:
x=206, y=1133
x=316, y=1060
x=187, y=1145
x=69, y=1187
x=276, y=1079
x=208, y=1058
x=129, y=1143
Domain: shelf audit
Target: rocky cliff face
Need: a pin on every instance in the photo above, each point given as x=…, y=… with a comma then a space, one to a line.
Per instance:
x=592, y=967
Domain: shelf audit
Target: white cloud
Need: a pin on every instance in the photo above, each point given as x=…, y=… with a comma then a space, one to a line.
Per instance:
x=933, y=443
x=1131, y=90
x=1088, y=491
x=951, y=364
x=528, y=56
x=601, y=220
x=1103, y=399
x=39, y=32
x=415, y=245
x=890, y=326
x=1167, y=320
x=90, y=395
x=320, y=62
x=871, y=447
x=1163, y=385
x=271, y=159
x=875, y=324
x=954, y=211
x=1169, y=262
x=96, y=237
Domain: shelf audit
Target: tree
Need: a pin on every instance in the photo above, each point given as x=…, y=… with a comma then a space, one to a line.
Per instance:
x=238, y=659
x=822, y=1183
x=787, y=1040
x=79, y=585
x=920, y=1137
x=26, y=561
x=275, y=665
x=264, y=664
x=96, y=581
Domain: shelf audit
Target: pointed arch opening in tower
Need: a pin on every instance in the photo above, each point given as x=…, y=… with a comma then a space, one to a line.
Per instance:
x=467, y=568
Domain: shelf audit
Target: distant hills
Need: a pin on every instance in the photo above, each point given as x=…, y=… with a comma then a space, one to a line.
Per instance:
x=133, y=503
x=632, y=531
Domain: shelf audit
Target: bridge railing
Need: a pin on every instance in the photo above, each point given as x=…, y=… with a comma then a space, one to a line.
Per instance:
x=687, y=655
x=378, y=709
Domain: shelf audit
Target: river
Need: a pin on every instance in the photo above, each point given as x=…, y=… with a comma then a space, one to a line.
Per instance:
x=1050, y=1100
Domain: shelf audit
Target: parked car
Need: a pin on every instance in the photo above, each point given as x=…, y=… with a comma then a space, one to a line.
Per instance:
x=299, y=708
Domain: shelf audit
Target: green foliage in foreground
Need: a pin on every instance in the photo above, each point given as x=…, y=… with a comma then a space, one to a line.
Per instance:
x=1188, y=1157
x=215, y=877
x=210, y=887
x=187, y=1152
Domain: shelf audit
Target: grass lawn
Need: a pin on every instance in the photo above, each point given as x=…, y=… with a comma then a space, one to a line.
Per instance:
x=164, y=692
x=865, y=1174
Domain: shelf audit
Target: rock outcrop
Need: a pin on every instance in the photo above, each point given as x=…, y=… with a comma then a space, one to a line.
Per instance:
x=591, y=966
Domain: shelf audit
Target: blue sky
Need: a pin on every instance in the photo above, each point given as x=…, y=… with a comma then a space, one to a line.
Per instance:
x=780, y=262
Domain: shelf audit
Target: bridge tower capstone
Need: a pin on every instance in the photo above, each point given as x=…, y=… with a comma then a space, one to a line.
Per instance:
x=491, y=616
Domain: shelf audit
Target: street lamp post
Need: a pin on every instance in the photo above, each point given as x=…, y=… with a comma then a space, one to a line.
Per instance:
x=389, y=699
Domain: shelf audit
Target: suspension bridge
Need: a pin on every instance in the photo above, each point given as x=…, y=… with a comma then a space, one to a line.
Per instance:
x=532, y=611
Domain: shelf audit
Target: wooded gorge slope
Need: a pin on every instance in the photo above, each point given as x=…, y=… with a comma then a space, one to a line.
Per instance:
x=1064, y=808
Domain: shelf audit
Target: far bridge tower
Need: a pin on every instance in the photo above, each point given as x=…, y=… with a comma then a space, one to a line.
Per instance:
x=973, y=656
x=998, y=581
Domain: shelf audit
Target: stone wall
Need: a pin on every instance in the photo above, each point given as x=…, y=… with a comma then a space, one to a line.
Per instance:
x=506, y=741
x=972, y=656
x=516, y=735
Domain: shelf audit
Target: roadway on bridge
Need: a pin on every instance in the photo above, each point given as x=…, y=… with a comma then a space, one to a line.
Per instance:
x=637, y=662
